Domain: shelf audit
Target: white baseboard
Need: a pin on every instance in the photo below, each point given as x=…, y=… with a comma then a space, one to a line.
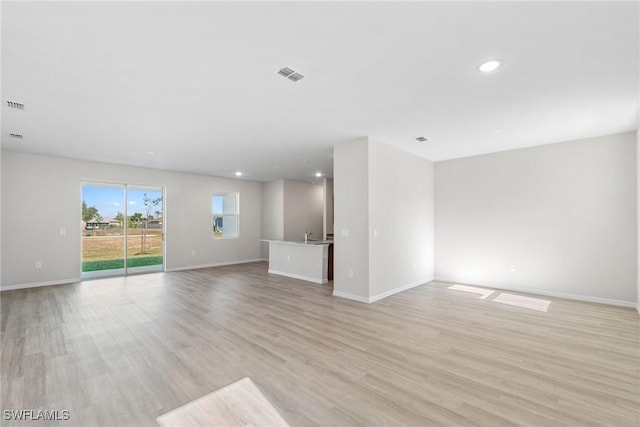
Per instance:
x=351, y=296
x=214, y=264
x=39, y=284
x=543, y=292
x=399, y=289
x=299, y=276
x=381, y=295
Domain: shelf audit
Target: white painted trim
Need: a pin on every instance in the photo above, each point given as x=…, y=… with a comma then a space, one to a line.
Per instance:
x=299, y=276
x=543, y=292
x=39, y=284
x=399, y=289
x=102, y=274
x=215, y=264
x=351, y=296
x=382, y=295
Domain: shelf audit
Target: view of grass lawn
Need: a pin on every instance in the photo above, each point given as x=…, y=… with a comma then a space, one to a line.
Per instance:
x=104, y=250
x=119, y=263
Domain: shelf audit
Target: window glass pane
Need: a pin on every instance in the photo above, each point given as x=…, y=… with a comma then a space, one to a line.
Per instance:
x=218, y=201
x=225, y=215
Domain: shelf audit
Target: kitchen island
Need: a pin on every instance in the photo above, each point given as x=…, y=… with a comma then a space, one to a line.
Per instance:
x=301, y=260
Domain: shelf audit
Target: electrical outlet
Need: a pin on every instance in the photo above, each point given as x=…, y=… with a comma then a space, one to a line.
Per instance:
x=63, y=231
x=288, y=258
x=351, y=272
x=344, y=232
x=512, y=268
x=193, y=252
x=38, y=264
x=414, y=265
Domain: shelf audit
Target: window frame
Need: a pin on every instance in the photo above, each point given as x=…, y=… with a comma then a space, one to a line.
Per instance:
x=234, y=214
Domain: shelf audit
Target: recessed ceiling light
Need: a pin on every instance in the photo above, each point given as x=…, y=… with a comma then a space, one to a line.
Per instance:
x=238, y=173
x=421, y=139
x=489, y=66
x=318, y=174
x=150, y=153
x=497, y=131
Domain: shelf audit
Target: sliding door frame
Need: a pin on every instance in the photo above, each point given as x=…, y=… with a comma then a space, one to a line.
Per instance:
x=126, y=270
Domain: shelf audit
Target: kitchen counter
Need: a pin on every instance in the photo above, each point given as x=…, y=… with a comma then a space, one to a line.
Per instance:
x=300, y=259
x=302, y=242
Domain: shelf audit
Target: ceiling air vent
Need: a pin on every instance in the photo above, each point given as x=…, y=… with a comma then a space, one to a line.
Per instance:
x=421, y=139
x=15, y=135
x=16, y=105
x=285, y=72
x=295, y=77
x=290, y=74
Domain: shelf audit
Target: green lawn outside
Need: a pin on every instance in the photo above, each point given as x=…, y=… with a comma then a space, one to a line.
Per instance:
x=111, y=264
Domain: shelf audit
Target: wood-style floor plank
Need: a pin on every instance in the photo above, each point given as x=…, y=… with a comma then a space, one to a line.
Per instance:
x=122, y=351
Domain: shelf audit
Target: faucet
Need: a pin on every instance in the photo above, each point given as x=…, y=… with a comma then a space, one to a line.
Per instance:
x=306, y=236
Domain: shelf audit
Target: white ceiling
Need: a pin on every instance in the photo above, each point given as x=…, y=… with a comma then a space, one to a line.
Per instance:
x=196, y=83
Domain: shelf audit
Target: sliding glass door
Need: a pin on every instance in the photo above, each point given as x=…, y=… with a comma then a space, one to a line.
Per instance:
x=103, y=234
x=122, y=229
x=144, y=229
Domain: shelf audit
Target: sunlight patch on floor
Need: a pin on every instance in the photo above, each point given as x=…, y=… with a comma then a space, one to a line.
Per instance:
x=522, y=301
x=483, y=292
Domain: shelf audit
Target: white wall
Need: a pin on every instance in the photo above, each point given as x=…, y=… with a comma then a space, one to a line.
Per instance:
x=564, y=214
x=291, y=208
x=1, y=213
x=42, y=194
x=303, y=206
x=384, y=198
x=327, y=211
x=272, y=213
x=351, y=195
x=638, y=217
x=400, y=219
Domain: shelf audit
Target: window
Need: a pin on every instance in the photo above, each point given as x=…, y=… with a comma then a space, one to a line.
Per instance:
x=225, y=215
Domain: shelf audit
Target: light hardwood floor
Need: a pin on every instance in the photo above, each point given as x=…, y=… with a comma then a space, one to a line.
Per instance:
x=122, y=351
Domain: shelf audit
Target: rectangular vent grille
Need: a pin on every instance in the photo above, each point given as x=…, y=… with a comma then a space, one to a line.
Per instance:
x=290, y=74
x=15, y=135
x=285, y=72
x=16, y=105
x=421, y=139
x=295, y=77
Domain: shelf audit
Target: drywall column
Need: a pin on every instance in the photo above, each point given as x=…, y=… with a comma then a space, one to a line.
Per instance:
x=400, y=220
x=351, y=221
x=383, y=220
